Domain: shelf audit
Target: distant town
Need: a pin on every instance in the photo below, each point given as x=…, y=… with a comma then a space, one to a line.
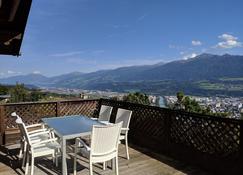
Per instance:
x=232, y=105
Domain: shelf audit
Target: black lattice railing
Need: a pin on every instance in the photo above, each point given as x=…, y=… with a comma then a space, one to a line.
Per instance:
x=214, y=136
x=33, y=112
x=213, y=142
x=86, y=108
x=146, y=120
x=30, y=113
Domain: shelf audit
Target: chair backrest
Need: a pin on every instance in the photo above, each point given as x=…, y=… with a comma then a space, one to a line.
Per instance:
x=124, y=116
x=105, y=139
x=105, y=113
x=22, y=127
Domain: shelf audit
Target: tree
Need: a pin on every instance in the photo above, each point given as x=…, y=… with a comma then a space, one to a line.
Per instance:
x=3, y=90
x=179, y=104
x=191, y=105
x=137, y=97
x=36, y=95
x=180, y=96
x=18, y=93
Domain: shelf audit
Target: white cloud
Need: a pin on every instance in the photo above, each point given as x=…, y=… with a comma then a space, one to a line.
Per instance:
x=13, y=72
x=10, y=72
x=140, y=18
x=66, y=54
x=186, y=57
x=36, y=72
x=196, y=43
x=226, y=36
x=228, y=42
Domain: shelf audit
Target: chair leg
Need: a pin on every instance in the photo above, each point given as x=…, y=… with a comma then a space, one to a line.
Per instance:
x=32, y=164
x=113, y=163
x=104, y=165
x=126, y=142
x=53, y=158
x=24, y=153
x=57, y=154
x=56, y=159
x=23, y=160
x=21, y=149
x=75, y=161
x=90, y=168
x=27, y=164
x=117, y=171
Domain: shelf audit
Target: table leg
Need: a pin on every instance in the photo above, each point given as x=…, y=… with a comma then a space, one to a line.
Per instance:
x=64, y=162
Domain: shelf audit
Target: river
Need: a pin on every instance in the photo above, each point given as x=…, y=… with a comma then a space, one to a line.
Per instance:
x=162, y=102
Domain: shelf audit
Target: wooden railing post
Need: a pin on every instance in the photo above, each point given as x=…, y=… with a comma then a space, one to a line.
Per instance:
x=58, y=110
x=97, y=110
x=2, y=125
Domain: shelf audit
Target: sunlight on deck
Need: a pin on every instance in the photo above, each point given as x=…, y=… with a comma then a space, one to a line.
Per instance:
x=140, y=163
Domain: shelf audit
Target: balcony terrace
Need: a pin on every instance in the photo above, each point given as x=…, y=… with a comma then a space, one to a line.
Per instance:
x=162, y=141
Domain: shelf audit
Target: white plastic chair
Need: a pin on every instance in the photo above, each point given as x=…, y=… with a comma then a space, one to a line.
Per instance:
x=105, y=113
x=37, y=148
x=35, y=135
x=103, y=146
x=23, y=143
x=124, y=116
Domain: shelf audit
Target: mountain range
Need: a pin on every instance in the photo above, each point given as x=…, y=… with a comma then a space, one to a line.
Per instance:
x=203, y=71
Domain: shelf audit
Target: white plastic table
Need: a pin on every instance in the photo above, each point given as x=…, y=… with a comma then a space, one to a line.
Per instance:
x=70, y=127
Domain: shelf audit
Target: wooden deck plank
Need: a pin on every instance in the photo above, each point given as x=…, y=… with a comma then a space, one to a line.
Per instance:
x=139, y=164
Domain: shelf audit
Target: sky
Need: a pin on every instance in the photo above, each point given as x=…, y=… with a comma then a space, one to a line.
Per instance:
x=64, y=36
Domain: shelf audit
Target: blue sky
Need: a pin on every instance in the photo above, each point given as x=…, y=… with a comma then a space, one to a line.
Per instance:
x=87, y=35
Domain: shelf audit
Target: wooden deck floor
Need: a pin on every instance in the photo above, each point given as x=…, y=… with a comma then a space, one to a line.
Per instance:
x=142, y=162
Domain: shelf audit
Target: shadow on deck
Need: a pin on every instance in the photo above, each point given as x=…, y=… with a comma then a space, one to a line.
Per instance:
x=142, y=162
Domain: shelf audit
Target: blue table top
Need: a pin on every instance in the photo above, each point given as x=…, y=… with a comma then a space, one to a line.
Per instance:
x=70, y=125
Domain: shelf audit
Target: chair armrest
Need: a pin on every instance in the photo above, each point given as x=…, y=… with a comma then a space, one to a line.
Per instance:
x=79, y=141
x=106, y=122
x=37, y=130
x=124, y=129
x=34, y=125
x=39, y=133
x=92, y=118
x=35, y=141
x=43, y=141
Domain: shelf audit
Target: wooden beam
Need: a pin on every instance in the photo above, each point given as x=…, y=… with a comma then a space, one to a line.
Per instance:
x=14, y=9
x=13, y=19
x=2, y=125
